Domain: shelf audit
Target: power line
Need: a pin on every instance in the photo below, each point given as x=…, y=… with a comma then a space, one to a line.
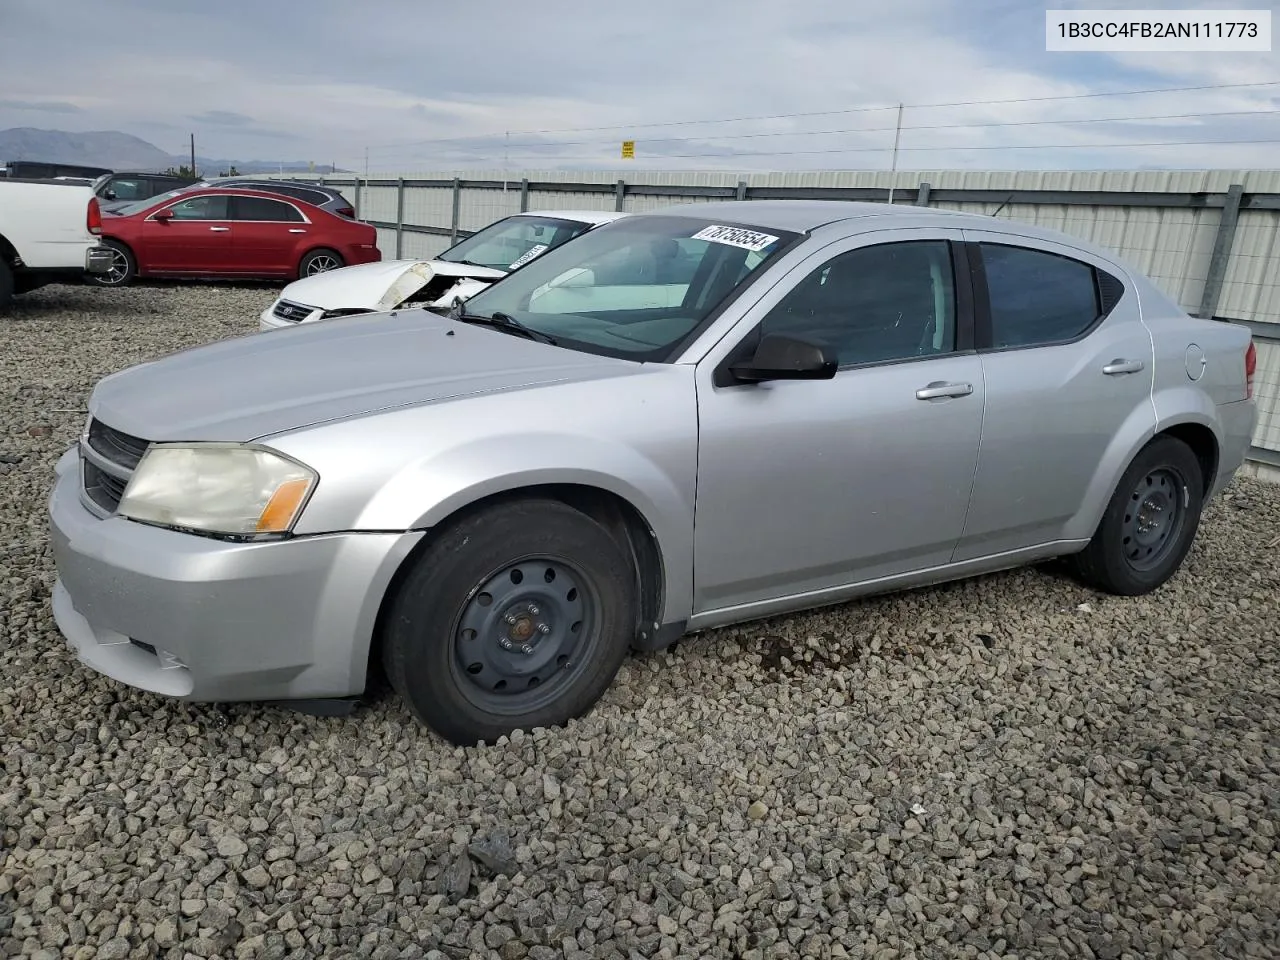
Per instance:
x=938, y=126
x=933, y=149
x=830, y=113
x=1030, y=146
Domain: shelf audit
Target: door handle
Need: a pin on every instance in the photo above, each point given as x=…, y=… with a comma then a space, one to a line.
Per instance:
x=1117, y=367
x=296, y=230
x=219, y=229
x=939, y=390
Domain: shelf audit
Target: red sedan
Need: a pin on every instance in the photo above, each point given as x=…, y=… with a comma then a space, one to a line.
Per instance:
x=228, y=232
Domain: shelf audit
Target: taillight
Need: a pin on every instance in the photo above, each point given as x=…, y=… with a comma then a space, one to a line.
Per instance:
x=93, y=219
x=347, y=212
x=1250, y=367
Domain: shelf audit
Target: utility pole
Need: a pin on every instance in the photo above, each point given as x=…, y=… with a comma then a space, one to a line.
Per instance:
x=193, y=154
x=893, y=169
x=506, y=157
x=366, y=163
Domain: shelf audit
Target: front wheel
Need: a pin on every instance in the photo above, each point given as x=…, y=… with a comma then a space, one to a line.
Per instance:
x=1150, y=523
x=514, y=618
x=320, y=261
x=6, y=285
x=122, y=270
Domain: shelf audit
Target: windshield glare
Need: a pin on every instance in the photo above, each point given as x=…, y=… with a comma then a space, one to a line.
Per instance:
x=635, y=287
x=514, y=241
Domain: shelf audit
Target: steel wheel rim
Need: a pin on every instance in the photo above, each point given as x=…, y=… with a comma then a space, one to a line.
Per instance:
x=321, y=264
x=118, y=270
x=524, y=634
x=1153, y=518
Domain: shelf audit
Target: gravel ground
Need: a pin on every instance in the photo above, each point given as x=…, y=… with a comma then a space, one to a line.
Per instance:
x=1011, y=766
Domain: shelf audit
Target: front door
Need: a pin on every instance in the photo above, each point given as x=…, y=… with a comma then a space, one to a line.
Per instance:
x=196, y=240
x=1065, y=368
x=808, y=486
x=268, y=232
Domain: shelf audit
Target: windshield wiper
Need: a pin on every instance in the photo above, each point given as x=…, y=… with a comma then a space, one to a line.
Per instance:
x=504, y=321
x=472, y=263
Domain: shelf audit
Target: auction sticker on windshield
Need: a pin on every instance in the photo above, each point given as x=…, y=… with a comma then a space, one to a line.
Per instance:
x=528, y=255
x=735, y=237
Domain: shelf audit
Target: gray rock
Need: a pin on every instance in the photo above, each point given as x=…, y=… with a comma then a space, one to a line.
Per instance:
x=495, y=853
x=455, y=878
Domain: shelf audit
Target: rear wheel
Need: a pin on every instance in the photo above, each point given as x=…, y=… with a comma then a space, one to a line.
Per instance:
x=123, y=268
x=1150, y=523
x=514, y=618
x=320, y=261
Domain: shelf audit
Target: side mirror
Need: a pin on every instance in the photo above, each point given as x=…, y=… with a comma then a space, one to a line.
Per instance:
x=109, y=195
x=162, y=215
x=779, y=357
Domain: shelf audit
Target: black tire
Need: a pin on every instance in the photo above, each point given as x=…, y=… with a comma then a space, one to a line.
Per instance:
x=1129, y=557
x=6, y=285
x=124, y=267
x=320, y=261
x=470, y=685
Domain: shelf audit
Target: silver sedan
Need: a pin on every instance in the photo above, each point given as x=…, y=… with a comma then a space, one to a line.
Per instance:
x=682, y=419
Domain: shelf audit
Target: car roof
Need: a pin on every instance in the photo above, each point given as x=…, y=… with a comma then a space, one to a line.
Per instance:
x=804, y=216
x=148, y=173
x=582, y=216
x=307, y=184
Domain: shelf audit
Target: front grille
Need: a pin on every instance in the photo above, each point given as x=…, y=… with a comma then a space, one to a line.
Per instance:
x=293, y=312
x=108, y=459
x=120, y=448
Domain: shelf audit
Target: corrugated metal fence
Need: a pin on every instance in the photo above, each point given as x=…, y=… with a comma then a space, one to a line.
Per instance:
x=1210, y=239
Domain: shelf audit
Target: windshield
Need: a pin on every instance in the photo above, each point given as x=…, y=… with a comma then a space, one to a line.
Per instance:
x=513, y=242
x=137, y=206
x=636, y=287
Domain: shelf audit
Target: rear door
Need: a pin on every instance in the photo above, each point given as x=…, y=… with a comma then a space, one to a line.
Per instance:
x=269, y=233
x=197, y=240
x=1067, y=363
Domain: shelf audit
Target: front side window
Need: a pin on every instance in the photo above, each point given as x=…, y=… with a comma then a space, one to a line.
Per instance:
x=513, y=242
x=1037, y=298
x=262, y=209
x=201, y=208
x=891, y=301
x=636, y=287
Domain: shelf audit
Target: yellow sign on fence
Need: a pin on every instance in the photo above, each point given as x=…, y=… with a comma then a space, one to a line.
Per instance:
x=628, y=149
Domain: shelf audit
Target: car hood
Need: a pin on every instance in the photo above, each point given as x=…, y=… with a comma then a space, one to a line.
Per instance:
x=266, y=383
x=377, y=286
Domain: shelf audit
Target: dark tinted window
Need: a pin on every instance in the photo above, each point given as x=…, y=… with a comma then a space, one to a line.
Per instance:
x=891, y=301
x=1037, y=297
x=260, y=208
x=201, y=208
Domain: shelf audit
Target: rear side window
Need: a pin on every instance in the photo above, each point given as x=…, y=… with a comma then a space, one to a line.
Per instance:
x=262, y=209
x=1038, y=298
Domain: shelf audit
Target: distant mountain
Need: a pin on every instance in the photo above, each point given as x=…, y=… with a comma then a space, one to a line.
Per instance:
x=123, y=151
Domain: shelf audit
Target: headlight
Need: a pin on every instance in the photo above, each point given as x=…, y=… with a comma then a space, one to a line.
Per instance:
x=221, y=488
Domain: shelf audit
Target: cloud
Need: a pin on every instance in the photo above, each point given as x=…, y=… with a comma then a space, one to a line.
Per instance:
x=490, y=84
x=40, y=106
x=223, y=118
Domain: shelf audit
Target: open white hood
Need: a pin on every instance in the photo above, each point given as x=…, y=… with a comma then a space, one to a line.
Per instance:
x=386, y=285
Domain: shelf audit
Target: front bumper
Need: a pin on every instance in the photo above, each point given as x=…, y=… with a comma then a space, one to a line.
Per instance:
x=97, y=259
x=207, y=620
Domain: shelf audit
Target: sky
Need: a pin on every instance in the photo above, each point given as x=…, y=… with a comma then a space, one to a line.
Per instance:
x=428, y=85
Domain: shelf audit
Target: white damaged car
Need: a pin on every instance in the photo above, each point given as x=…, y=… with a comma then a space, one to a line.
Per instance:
x=460, y=272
